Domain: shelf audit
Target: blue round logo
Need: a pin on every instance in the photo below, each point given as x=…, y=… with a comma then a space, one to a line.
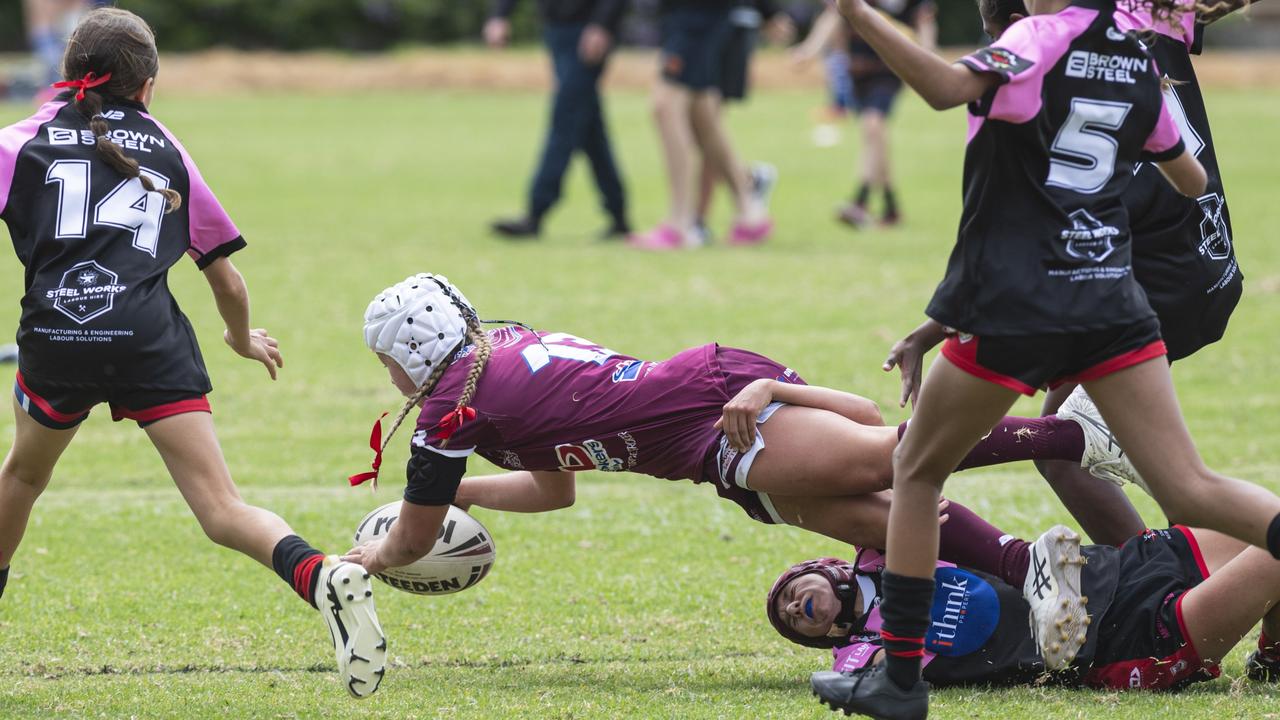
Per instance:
x=965, y=613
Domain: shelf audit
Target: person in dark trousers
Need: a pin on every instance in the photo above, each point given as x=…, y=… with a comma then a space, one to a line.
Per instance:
x=579, y=35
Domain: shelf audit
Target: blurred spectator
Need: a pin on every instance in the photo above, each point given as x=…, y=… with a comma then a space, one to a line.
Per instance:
x=746, y=20
x=49, y=23
x=875, y=88
x=579, y=35
x=686, y=102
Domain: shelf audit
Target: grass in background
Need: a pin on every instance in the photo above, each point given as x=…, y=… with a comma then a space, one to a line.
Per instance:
x=644, y=599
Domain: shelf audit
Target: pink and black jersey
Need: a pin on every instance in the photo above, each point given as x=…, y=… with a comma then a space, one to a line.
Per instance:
x=1183, y=252
x=552, y=401
x=1044, y=239
x=97, y=248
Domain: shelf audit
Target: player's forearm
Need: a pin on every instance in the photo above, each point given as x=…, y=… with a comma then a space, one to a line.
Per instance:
x=519, y=491
x=822, y=34
x=231, y=295
x=940, y=83
x=413, y=534
x=856, y=408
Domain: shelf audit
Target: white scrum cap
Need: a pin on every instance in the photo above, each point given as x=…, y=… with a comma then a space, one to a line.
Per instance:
x=417, y=322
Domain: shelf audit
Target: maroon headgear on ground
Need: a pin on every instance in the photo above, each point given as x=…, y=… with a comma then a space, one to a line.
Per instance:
x=836, y=571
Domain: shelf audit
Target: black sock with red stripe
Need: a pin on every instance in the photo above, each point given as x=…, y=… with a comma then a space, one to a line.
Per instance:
x=4, y=580
x=1268, y=648
x=905, y=611
x=298, y=564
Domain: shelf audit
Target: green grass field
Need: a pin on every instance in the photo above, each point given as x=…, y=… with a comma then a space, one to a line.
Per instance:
x=645, y=598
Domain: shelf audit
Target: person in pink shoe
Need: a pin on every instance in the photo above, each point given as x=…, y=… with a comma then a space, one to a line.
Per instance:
x=686, y=103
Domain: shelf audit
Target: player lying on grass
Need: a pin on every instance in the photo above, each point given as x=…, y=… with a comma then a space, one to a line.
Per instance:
x=100, y=326
x=546, y=405
x=1166, y=607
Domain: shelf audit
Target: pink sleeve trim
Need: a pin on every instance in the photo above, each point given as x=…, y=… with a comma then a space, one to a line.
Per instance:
x=210, y=227
x=1165, y=137
x=14, y=138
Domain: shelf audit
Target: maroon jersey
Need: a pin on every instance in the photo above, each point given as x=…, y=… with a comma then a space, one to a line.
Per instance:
x=552, y=401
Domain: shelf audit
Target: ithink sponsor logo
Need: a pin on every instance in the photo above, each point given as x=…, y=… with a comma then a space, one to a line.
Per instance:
x=953, y=613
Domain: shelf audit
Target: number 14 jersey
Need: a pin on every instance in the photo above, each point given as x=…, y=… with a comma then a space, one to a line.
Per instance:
x=1044, y=243
x=97, y=248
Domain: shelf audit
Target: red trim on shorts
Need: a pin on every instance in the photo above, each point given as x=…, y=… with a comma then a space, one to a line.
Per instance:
x=46, y=408
x=160, y=412
x=1195, y=551
x=964, y=355
x=1117, y=363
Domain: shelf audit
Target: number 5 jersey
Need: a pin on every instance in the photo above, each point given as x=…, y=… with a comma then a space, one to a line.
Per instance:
x=97, y=248
x=1044, y=241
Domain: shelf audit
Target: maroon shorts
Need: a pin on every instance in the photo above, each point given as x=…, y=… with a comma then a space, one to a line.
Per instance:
x=60, y=408
x=725, y=467
x=1027, y=363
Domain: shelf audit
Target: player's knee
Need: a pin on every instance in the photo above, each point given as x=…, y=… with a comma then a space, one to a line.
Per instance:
x=222, y=522
x=913, y=466
x=31, y=479
x=1197, y=491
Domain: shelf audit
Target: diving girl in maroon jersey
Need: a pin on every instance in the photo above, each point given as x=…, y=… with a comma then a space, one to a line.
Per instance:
x=547, y=405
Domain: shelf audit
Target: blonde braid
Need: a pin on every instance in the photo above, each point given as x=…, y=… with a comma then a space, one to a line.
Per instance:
x=414, y=399
x=484, y=348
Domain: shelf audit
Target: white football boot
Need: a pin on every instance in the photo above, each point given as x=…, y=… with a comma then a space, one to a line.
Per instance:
x=1059, y=621
x=1103, y=457
x=344, y=596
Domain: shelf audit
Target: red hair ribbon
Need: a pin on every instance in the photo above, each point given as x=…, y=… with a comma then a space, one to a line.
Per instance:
x=88, y=81
x=453, y=420
x=375, y=444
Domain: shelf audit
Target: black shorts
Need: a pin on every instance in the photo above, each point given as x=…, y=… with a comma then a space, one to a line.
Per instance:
x=62, y=407
x=735, y=66
x=693, y=46
x=875, y=93
x=1026, y=363
x=1142, y=639
x=1192, y=291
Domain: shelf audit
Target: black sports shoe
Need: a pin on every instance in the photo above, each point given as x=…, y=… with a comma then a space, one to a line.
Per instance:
x=1260, y=668
x=525, y=228
x=615, y=231
x=869, y=691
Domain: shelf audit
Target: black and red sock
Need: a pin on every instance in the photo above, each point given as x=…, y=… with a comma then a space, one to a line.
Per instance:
x=1268, y=648
x=905, y=611
x=298, y=564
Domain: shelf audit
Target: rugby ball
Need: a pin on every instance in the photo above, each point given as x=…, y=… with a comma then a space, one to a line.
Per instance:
x=462, y=556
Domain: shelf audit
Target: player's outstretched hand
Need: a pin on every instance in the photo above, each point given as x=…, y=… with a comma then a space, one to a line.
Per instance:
x=908, y=355
x=738, y=421
x=366, y=556
x=260, y=346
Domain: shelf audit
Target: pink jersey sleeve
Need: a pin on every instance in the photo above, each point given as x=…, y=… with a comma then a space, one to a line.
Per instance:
x=12, y=140
x=213, y=234
x=1022, y=56
x=1165, y=142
